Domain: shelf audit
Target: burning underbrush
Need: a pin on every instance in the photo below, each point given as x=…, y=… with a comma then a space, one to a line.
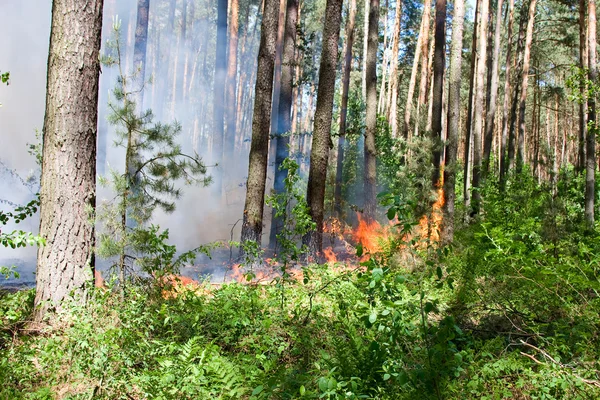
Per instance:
x=344, y=249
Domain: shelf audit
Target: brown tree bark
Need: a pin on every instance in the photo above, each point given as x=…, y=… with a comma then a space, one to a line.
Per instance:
x=424, y=79
x=278, y=61
x=507, y=92
x=493, y=98
x=438, y=81
x=344, y=109
x=284, y=122
x=413, y=82
x=466, y=183
x=261, y=125
x=524, y=82
x=321, y=140
x=68, y=183
x=583, y=63
x=370, y=179
x=392, y=114
x=230, y=82
x=590, y=150
x=454, y=78
x=478, y=109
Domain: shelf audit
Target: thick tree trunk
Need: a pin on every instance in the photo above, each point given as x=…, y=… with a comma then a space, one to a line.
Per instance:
x=438, y=81
x=466, y=182
x=344, y=109
x=284, y=122
x=364, y=54
x=583, y=63
x=230, y=83
x=590, y=151
x=370, y=179
x=524, y=82
x=493, y=98
x=321, y=140
x=454, y=78
x=478, y=109
x=219, y=84
x=261, y=124
x=277, y=73
x=68, y=183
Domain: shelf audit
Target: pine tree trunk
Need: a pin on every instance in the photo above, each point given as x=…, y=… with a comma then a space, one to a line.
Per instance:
x=590, y=151
x=438, y=81
x=466, y=183
x=493, y=98
x=424, y=79
x=412, y=83
x=277, y=77
x=583, y=63
x=507, y=75
x=454, y=77
x=321, y=140
x=392, y=114
x=284, y=122
x=344, y=109
x=219, y=85
x=230, y=84
x=370, y=179
x=524, y=82
x=68, y=183
x=478, y=109
x=261, y=124
x=364, y=54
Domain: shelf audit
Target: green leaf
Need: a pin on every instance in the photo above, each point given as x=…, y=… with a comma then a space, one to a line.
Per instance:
x=359, y=250
x=302, y=390
x=391, y=213
x=257, y=390
x=386, y=377
x=429, y=307
x=439, y=272
x=373, y=317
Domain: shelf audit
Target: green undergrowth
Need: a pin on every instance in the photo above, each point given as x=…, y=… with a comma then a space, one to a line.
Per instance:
x=511, y=310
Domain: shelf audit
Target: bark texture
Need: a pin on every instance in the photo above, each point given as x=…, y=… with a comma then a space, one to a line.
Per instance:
x=321, y=140
x=583, y=62
x=505, y=111
x=466, y=183
x=230, y=82
x=438, y=80
x=454, y=81
x=370, y=179
x=68, y=184
x=261, y=124
x=490, y=116
x=590, y=150
x=344, y=109
x=284, y=122
x=524, y=83
x=478, y=108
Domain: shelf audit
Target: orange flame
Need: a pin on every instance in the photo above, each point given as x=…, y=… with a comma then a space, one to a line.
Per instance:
x=370, y=234
x=330, y=255
x=431, y=224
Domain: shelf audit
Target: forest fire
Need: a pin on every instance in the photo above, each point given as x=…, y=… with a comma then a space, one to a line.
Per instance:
x=430, y=224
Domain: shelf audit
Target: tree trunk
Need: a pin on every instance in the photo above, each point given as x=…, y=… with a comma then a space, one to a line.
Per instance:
x=261, y=124
x=493, y=99
x=284, y=122
x=230, y=95
x=412, y=83
x=466, y=183
x=424, y=80
x=277, y=74
x=321, y=140
x=139, y=48
x=392, y=115
x=590, y=151
x=438, y=81
x=479, y=105
x=454, y=78
x=344, y=109
x=507, y=75
x=364, y=54
x=524, y=81
x=219, y=85
x=68, y=183
x=583, y=63
x=370, y=179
